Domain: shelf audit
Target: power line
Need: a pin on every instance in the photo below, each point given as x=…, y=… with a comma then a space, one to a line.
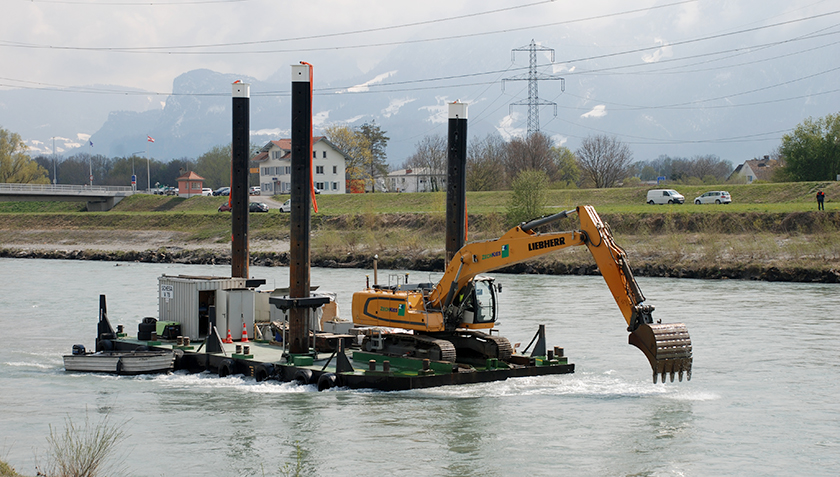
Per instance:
x=165, y=49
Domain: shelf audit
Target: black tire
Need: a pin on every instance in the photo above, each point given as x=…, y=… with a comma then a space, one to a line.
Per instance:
x=119, y=366
x=144, y=336
x=670, y=201
x=142, y=348
x=650, y=202
x=147, y=327
x=717, y=201
x=150, y=319
x=226, y=368
x=105, y=345
x=263, y=372
x=303, y=376
x=326, y=381
x=697, y=202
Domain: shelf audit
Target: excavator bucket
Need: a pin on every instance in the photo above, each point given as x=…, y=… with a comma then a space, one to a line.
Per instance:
x=667, y=347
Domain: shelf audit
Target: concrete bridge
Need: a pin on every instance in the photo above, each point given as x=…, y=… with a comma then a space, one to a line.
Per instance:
x=98, y=198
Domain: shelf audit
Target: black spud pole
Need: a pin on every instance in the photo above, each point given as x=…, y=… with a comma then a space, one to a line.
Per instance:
x=456, y=179
x=299, y=248
x=240, y=142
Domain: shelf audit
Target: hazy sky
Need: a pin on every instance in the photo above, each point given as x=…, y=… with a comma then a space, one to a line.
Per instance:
x=747, y=51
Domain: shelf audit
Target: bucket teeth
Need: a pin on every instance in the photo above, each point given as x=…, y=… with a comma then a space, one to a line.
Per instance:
x=667, y=347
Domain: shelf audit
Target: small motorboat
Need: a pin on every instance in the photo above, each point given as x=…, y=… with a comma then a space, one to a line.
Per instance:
x=120, y=362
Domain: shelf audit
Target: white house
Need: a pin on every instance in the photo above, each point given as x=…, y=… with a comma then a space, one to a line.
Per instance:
x=275, y=161
x=757, y=169
x=420, y=179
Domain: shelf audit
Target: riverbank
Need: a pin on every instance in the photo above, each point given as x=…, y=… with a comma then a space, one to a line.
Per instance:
x=775, y=237
x=754, y=256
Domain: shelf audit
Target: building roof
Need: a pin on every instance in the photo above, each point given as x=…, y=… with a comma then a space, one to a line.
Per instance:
x=286, y=146
x=762, y=169
x=190, y=176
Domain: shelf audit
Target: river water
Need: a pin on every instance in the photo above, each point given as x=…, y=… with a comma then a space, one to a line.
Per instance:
x=764, y=398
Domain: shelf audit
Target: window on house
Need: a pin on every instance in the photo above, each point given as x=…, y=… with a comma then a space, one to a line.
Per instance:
x=314, y=154
x=335, y=186
x=325, y=155
x=319, y=170
x=264, y=171
x=288, y=170
x=319, y=185
x=335, y=169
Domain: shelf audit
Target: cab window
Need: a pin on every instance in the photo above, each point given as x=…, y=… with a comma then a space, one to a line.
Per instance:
x=485, y=306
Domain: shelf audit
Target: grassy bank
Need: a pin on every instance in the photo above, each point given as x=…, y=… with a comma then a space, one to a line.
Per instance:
x=768, y=225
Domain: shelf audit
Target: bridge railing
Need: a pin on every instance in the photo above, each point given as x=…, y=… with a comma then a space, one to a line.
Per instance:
x=61, y=188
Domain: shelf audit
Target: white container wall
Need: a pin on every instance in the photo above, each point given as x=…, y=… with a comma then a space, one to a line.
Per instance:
x=186, y=300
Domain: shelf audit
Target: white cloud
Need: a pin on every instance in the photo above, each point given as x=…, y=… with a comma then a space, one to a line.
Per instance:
x=395, y=105
x=72, y=145
x=597, y=112
x=507, y=131
x=83, y=137
x=354, y=119
x=663, y=52
x=365, y=86
x=558, y=68
x=559, y=140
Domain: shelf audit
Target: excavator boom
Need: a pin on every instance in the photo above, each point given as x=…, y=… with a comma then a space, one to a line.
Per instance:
x=666, y=346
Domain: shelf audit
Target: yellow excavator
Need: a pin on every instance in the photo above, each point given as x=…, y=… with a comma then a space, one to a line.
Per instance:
x=446, y=318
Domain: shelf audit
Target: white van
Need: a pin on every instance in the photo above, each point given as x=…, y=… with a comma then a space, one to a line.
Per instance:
x=664, y=196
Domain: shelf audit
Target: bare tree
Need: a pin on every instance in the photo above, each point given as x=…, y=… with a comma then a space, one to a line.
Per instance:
x=534, y=153
x=430, y=159
x=604, y=160
x=486, y=163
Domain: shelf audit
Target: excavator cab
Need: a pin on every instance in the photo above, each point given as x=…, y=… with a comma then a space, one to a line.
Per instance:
x=476, y=306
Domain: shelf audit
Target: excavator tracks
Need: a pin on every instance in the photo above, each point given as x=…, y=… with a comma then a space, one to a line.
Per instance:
x=416, y=346
x=476, y=347
x=667, y=347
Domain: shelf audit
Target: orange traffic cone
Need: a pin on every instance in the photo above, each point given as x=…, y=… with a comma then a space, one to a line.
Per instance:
x=244, y=333
x=229, y=338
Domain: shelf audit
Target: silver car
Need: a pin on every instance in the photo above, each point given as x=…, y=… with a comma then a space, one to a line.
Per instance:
x=714, y=197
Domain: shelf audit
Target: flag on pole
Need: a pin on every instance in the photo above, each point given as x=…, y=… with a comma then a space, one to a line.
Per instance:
x=91, y=143
x=150, y=139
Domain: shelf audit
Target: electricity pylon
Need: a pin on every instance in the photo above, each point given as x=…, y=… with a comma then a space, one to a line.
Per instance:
x=534, y=102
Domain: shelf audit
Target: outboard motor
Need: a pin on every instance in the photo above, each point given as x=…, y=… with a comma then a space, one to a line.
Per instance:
x=78, y=349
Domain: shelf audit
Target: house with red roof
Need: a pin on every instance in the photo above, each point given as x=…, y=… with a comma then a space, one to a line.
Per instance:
x=329, y=165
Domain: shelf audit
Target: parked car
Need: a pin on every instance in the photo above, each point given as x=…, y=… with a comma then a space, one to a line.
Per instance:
x=255, y=190
x=257, y=207
x=714, y=197
x=222, y=191
x=286, y=207
x=664, y=196
x=225, y=207
x=207, y=191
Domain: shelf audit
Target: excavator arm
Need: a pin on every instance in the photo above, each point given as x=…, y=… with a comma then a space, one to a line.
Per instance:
x=667, y=346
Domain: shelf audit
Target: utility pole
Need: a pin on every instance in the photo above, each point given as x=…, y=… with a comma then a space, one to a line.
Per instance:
x=534, y=101
x=55, y=157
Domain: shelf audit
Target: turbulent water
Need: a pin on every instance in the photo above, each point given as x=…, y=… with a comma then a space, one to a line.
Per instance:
x=763, y=399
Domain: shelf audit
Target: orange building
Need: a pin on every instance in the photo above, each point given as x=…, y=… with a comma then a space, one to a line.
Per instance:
x=190, y=184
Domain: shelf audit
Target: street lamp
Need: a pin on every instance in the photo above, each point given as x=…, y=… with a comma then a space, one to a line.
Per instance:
x=133, y=174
